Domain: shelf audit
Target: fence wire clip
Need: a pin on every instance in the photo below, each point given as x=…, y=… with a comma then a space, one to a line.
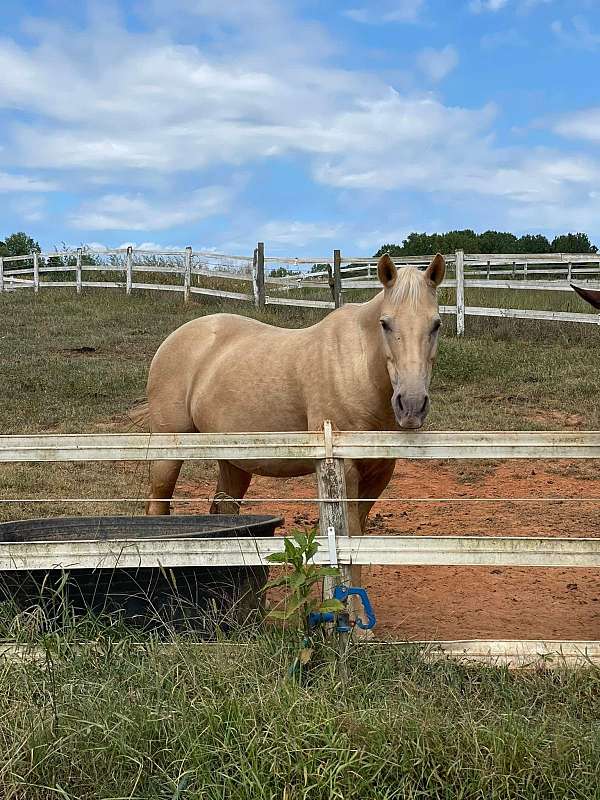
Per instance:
x=332, y=544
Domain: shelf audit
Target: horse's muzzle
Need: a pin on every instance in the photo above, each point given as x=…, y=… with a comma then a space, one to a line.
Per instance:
x=410, y=410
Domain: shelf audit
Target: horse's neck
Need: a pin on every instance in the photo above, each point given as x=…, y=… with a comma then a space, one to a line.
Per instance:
x=359, y=336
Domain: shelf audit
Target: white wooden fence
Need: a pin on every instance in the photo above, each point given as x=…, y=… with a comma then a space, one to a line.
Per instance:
x=547, y=272
x=329, y=449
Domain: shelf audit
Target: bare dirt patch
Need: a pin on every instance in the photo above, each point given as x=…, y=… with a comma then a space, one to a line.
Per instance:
x=458, y=602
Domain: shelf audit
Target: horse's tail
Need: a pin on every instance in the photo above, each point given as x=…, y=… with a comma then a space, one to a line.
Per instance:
x=140, y=414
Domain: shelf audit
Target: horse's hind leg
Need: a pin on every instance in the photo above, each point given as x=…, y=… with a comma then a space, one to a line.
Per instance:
x=232, y=485
x=163, y=477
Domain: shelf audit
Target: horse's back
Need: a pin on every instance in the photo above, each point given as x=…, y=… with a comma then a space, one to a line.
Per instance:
x=227, y=373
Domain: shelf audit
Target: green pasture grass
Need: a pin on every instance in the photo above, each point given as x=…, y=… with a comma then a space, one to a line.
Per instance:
x=122, y=720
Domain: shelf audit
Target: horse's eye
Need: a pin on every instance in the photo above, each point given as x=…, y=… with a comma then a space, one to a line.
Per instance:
x=385, y=324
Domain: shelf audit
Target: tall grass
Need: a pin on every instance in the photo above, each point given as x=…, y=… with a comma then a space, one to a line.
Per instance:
x=124, y=720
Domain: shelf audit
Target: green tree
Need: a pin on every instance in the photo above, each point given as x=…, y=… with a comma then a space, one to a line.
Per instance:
x=496, y=242
x=573, y=243
x=421, y=244
x=533, y=243
x=280, y=272
x=19, y=244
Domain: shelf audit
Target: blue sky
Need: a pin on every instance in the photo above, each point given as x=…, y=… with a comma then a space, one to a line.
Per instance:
x=307, y=124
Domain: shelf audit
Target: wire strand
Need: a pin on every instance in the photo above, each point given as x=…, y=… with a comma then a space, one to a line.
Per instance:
x=303, y=500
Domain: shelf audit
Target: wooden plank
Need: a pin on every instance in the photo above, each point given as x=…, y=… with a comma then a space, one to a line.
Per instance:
x=537, y=286
x=187, y=274
x=301, y=445
x=58, y=284
x=460, y=292
x=460, y=551
x=291, y=301
x=230, y=276
x=160, y=287
x=518, y=313
x=146, y=446
x=467, y=444
x=129, y=270
x=513, y=653
x=221, y=293
x=260, y=275
x=337, y=279
x=470, y=551
x=103, y=284
x=36, y=273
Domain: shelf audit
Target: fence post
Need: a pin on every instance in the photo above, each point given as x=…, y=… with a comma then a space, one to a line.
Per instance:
x=333, y=514
x=1, y=274
x=36, y=272
x=258, y=275
x=569, y=271
x=331, y=482
x=129, y=269
x=337, y=278
x=78, y=270
x=460, y=292
x=187, y=273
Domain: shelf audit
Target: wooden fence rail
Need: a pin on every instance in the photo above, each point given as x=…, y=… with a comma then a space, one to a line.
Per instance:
x=546, y=272
x=329, y=449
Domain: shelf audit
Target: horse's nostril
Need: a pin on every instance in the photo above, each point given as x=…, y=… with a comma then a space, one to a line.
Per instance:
x=399, y=403
x=424, y=406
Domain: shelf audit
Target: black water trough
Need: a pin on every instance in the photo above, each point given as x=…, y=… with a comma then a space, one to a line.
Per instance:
x=199, y=599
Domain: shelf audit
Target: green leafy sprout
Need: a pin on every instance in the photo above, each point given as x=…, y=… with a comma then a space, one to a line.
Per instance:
x=301, y=577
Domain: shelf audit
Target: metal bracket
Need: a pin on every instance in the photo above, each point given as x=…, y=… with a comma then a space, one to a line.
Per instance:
x=332, y=544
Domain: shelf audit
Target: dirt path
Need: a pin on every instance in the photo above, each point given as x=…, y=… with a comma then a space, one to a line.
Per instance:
x=468, y=602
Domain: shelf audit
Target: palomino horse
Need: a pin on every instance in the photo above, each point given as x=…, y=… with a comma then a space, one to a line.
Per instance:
x=364, y=366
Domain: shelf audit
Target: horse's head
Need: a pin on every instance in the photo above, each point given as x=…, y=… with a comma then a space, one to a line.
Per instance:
x=409, y=320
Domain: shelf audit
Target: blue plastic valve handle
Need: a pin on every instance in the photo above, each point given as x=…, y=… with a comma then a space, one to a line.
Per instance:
x=342, y=593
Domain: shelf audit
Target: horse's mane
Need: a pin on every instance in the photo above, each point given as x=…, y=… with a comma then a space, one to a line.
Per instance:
x=409, y=287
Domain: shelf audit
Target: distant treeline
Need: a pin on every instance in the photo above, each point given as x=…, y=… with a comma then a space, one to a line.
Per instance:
x=421, y=244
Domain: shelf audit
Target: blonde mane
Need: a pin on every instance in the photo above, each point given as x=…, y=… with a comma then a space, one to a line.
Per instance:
x=409, y=287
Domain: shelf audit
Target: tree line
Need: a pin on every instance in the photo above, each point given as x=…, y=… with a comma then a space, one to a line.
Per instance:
x=422, y=244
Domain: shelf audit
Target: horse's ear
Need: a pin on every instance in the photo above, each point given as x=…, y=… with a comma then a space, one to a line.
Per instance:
x=386, y=270
x=436, y=270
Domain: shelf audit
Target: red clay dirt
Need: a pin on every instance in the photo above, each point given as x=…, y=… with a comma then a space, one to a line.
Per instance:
x=415, y=603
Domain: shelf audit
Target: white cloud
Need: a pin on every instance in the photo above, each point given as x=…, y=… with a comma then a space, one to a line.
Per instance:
x=577, y=34
x=580, y=125
x=23, y=183
x=135, y=213
x=521, y=6
x=500, y=39
x=377, y=13
x=478, y=6
x=298, y=233
x=436, y=64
